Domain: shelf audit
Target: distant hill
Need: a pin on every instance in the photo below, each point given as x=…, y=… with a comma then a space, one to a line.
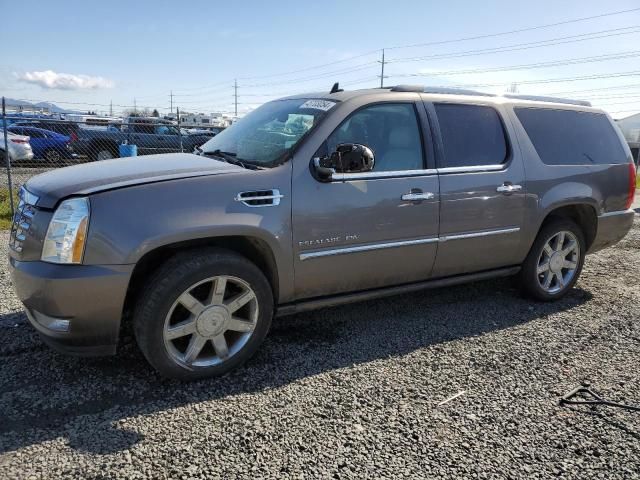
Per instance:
x=52, y=107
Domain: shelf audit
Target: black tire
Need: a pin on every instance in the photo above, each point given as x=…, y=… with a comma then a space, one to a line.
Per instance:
x=97, y=150
x=53, y=156
x=529, y=277
x=175, y=277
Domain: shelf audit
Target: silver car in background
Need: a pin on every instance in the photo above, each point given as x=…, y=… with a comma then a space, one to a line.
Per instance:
x=19, y=147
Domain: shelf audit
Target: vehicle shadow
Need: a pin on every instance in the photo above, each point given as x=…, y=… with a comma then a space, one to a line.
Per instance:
x=45, y=395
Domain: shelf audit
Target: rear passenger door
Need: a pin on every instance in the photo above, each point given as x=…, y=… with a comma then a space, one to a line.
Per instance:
x=482, y=189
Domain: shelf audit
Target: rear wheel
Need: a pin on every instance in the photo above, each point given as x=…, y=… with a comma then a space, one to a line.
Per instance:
x=104, y=153
x=555, y=261
x=204, y=313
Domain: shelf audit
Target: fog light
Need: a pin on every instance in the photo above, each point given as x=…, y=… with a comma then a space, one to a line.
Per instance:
x=52, y=323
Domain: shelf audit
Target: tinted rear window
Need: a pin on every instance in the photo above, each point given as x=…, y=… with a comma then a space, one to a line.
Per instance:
x=472, y=135
x=568, y=137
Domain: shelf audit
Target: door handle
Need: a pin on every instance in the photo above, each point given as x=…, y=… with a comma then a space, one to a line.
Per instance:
x=417, y=196
x=507, y=188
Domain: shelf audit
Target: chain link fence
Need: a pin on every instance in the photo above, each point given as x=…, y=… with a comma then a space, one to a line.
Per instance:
x=39, y=143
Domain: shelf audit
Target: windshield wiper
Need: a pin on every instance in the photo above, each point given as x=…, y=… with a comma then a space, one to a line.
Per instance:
x=230, y=157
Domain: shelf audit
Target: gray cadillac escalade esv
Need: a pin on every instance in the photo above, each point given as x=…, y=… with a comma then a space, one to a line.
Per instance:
x=315, y=200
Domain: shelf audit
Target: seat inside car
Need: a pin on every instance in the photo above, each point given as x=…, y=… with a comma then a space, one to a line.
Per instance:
x=402, y=151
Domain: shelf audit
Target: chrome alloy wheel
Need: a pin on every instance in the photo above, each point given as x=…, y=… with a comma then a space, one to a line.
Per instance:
x=558, y=261
x=210, y=321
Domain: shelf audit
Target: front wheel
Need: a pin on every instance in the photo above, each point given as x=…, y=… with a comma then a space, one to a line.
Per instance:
x=555, y=261
x=52, y=156
x=204, y=313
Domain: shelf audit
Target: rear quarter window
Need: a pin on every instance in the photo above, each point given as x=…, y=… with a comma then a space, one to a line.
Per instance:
x=569, y=137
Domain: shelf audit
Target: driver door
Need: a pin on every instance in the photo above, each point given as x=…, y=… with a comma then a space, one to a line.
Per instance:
x=373, y=229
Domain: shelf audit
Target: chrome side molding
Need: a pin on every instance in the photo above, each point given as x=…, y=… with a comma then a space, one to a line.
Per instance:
x=366, y=248
x=460, y=236
x=403, y=243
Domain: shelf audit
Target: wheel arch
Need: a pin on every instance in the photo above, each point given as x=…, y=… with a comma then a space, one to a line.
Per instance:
x=252, y=248
x=584, y=214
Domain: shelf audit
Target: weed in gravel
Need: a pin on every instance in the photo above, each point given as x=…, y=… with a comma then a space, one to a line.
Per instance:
x=5, y=208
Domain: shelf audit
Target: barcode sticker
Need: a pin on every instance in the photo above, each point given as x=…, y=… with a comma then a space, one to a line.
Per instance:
x=318, y=104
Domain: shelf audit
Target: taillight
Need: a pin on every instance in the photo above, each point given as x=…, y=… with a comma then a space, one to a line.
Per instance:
x=74, y=136
x=19, y=140
x=632, y=185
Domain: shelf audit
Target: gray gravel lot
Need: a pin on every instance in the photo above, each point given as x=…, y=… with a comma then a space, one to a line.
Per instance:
x=351, y=392
x=19, y=175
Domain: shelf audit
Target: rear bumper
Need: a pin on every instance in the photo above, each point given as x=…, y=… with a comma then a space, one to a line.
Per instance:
x=76, y=308
x=612, y=227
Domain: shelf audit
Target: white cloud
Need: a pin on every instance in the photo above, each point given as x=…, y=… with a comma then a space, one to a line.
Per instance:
x=65, y=81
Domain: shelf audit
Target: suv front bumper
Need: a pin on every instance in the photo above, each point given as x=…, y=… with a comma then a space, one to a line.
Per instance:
x=76, y=308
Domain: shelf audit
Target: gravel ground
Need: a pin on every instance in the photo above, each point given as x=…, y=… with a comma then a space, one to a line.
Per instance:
x=19, y=175
x=351, y=392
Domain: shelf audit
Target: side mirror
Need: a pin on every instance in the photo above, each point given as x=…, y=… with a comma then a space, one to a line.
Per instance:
x=347, y=158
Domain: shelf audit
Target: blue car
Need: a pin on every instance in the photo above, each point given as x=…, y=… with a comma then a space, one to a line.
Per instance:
x=47, y=145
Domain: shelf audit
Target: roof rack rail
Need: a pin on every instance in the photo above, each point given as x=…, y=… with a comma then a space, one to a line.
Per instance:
x=541, y=98
x=442, y=90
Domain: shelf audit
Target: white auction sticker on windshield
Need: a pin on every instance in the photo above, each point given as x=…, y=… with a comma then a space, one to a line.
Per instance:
x=318, y=104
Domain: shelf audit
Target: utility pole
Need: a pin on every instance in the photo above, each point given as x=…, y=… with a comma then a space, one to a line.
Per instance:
x=171, y=100
x=111, y=108
x=135, y=108
x=235, y=96
x=382, y=77
x=179, y=129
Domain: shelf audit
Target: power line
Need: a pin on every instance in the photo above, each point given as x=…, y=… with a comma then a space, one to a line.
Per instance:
x=311, y=68
x=344, y=71
x=510, y=32
x=631, y=73
x=528, y=66
x=521, y=46
x=442, y=42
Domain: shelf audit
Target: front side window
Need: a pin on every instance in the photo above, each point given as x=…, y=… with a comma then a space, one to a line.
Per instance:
x=266, y=136
x=391, y=131
x=569, y=137
x=472, y=135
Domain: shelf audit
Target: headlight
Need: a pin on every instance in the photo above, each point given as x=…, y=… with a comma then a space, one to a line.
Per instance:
x=67, y=232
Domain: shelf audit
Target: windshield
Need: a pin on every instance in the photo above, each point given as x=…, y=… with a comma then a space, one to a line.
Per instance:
x=265, y=136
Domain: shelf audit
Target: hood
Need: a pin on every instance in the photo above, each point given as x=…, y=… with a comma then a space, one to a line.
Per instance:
x=95, y=177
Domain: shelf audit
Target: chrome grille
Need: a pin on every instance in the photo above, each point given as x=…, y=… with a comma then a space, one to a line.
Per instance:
x=22, y=219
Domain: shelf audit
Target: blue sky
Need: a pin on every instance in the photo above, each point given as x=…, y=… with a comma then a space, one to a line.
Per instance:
x=119, y=50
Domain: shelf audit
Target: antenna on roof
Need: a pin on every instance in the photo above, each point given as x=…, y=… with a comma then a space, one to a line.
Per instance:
x=336, y=88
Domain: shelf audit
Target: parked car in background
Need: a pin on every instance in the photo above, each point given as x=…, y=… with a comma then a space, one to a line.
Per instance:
x=210, y=132
x=63, y=127
x=311, y=201
x=150, y=134
x=19, y=147
x=46, y=145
